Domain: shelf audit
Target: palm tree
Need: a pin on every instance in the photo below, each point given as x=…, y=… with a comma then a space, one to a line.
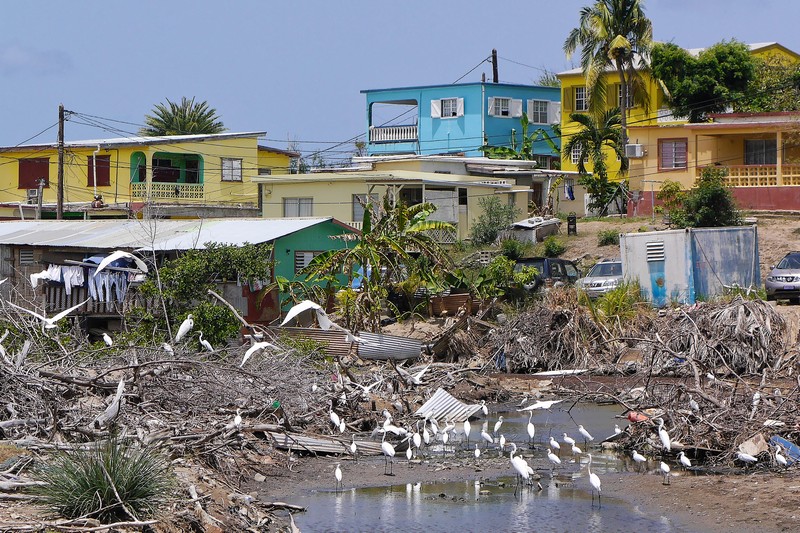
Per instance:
x=590, y=140
x=613, y=34
x=382, y=254
x=188, y=117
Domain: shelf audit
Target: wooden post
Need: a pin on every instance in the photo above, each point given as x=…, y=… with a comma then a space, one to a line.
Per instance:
x=60, y=193
x=495, y=78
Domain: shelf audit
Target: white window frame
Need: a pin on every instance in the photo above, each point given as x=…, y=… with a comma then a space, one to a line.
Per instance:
x=231, y=169
x=582, y=98
x=619, y=98
x=298, y=207
x=501, y=106
x=575, y=155
x=449, y=107
x=538, y=109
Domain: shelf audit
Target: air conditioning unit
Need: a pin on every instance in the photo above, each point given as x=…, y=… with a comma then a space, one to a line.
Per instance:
x=33, y=196
x=634, y=150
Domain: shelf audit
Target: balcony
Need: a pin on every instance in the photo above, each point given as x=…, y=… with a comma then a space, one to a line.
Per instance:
x=392, y=134
x=169, y=191
x=758, y=175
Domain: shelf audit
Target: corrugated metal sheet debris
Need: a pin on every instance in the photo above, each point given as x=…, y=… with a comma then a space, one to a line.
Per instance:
x=300, y=442
x=443, y=406
x=378, y=346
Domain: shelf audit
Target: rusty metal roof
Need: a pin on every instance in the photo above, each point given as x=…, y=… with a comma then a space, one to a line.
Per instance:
x=161, y=235
x=443, y=406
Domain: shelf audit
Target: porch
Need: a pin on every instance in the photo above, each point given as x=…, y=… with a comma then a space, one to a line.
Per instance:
x=168, y=191
x=758, y=175
x=403, y=133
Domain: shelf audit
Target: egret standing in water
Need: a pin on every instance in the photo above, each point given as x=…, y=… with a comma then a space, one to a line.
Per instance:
x=520, y=467
x=338, y=475
x=467, y=428
x=587, y=437
x=498, y=424
x=554, y=460
x=594, y=480
x=388, y=456
x=554, y=443
x=531, y=429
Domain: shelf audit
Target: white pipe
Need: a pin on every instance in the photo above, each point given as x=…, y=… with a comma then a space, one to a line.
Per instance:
x=94, y=168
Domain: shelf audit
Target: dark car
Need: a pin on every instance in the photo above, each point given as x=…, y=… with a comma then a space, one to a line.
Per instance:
x=783, y=281
x=550, y=268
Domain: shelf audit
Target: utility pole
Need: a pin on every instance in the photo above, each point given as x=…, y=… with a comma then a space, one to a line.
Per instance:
x=495, y=79
x=60, y=193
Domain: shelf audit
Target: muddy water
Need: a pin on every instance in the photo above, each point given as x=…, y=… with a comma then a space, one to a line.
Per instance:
x=564, y=502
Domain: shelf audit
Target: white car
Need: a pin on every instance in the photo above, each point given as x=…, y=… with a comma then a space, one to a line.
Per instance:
x=603, y=277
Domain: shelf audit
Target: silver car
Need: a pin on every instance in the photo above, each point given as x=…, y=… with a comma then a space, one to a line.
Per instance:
x=783, y=283
x=603, y=277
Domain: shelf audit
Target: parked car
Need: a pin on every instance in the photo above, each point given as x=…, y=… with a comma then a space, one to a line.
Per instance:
x=783, y=282
x=602, y=277
x=550, y=268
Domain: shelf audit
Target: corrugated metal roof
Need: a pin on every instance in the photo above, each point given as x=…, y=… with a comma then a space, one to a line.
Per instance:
x=137, y=140
x=151, y=234
x=443, y=406
x=378, y=346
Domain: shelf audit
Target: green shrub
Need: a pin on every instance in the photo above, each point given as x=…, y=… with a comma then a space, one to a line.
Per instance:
x=86, y=482
x=553, y=247
x=496, y=216
x=526, y=275
x=607, y=237
x=620, y=304
x=514, y=249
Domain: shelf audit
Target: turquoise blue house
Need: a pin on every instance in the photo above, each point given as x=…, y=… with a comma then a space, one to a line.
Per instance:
x=457, y=119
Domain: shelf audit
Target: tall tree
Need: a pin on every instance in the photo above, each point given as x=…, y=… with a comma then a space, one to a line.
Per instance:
x=708, y=83
x=613, y=34
x=590, y=141
x=184, y=118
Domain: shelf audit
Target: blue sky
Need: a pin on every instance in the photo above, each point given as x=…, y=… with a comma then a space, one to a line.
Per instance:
x=296, y=69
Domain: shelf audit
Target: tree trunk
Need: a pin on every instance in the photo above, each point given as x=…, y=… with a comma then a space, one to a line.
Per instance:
x=623, y=106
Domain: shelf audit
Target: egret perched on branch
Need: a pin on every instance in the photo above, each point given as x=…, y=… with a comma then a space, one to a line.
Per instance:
x=186, y=327
x=205, y=344
x=594, y=480
x=253, y=349
x=50, y=323
x=107, y=339
x=120, y=254
x=663, y=435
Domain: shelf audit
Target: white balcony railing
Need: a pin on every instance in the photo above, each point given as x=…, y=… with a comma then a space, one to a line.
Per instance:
x=169, y=191
x=392, y=134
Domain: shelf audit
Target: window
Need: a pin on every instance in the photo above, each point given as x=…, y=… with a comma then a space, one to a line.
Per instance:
x=575, y=155
x=581, y=101
x=542, y=161
x=264, y=171
x=760, y=152
x=103, y=166
x=537, y=111
x=359, y=202
x=302, y=260
x=298, y=207
x=462, y=196
x=672, y=153
x=619, y=98
x=449, y=107
x=231, y=169
x=26, y=257
x=501, y=107
x=33, y=169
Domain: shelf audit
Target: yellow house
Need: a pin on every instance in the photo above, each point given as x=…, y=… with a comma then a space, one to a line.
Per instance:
x=760, y=152
x=176, y=176
x=644, y=110
x=342, y=195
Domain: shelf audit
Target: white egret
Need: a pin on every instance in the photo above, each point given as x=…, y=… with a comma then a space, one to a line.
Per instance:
x=409, y=453
x=520, y=466
x=342, y=425
x=665, y=470
x=185, y=327
x=781, y=460
x=746, y=458
x=426, y=435
x=50, y=323
x=684, y=460
x=107, y=339
x=113, y=409
x=663, y=435
x=617, y=429
x=530, y=428
x=502, y=442
x=638, y=458
x=576, y=450
x=413, y=379
x=554, y=443
x=541, y=404
x=237, y=420
x=388, y=456
x=587, y=437
x=305, y=305
x=487, y=438
x=338, y=475
x=498, y=424
x=365, y=390
x=568, y=440
x=594, y=480
x=253, y=349
x=354, y=448
x=477, y=451
x=484, y=409
x=120, y=254
x=205, y=344
x=335, y=420
x=554, y=460
x=756, y=399
x=467, y=429
x=167, y=347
